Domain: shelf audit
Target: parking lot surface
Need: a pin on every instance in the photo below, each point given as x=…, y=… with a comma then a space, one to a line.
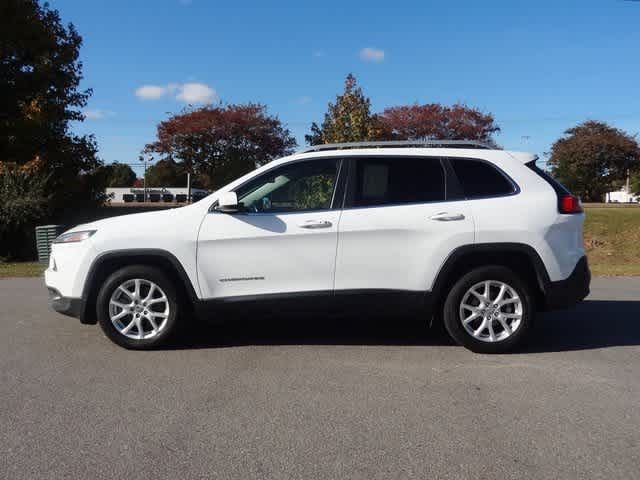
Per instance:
x=311, y=398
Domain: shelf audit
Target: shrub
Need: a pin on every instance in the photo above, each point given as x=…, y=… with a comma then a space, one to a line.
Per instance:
x=23, y=202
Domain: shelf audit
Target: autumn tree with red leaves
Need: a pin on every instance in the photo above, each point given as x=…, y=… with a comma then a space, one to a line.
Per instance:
x=435, y=121
x=221, y=143
x=350, y=119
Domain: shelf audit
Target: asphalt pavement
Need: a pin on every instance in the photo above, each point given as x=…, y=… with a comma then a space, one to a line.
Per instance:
x=314, y=398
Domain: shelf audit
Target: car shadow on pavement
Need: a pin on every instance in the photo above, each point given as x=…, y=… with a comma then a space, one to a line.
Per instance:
x=310, y=329
x=590, y=325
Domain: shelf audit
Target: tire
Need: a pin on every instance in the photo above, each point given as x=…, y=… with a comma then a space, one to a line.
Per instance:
x=157, y=319
x=517, y=312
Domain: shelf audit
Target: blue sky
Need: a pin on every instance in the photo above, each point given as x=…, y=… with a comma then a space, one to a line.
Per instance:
x=539, y=67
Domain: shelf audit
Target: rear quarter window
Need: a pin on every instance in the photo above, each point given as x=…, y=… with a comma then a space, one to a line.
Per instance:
x=556, y=185
x=480, y=179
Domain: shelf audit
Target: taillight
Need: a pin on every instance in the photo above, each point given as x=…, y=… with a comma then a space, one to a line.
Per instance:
x=569, y=204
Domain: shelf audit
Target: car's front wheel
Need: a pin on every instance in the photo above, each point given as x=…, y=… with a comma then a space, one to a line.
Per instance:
x=137, y=307
x=489, y=310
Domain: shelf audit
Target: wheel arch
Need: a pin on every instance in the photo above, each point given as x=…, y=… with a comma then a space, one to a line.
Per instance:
x=520, y=258
x=109, y=262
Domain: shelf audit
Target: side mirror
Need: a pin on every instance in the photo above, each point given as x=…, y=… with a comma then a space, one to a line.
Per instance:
x=228, y=203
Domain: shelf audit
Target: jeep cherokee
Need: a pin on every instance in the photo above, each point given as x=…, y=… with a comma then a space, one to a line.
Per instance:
x=475, y=237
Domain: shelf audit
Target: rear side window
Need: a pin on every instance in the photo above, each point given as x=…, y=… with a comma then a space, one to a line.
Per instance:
x=556, y=185
x=398, y=180
x=481, y=179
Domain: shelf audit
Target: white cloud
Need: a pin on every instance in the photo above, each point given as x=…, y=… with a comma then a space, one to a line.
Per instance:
x=151, y=92
x=319, y=53
x=97, y=114
x=304, y=100
x=372, y=54
x=192, y=92
x=196, y=93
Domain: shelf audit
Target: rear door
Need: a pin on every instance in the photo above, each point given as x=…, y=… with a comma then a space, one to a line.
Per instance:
x=399, y=224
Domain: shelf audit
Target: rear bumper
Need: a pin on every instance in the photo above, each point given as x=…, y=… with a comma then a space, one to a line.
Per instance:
x=571, y=290
x=72, y=307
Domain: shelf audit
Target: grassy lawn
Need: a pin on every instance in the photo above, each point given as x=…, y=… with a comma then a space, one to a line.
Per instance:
x=21, y=269
x=612, y=240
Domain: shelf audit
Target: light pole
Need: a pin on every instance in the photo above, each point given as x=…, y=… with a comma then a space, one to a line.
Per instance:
x=189, y=187
x=144, y=178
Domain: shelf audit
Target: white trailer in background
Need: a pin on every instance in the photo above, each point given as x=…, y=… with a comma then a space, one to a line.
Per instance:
x=622, y=196
x=159, y=194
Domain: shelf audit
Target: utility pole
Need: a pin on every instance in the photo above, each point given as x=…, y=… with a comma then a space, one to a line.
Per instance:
x=189, y=187
x=628, y=181
x=144, y=178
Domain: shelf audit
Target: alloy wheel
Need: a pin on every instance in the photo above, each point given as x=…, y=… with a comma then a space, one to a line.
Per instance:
x=139, y=309
x=491, y=311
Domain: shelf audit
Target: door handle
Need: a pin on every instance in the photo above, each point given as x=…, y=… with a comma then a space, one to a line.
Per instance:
x=447, y=217
x=312, y=224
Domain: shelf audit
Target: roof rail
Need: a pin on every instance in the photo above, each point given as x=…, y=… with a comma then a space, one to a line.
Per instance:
x=400, y=143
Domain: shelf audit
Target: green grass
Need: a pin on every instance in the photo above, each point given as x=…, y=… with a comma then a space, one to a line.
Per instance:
x=610, y=205
x=21, y=269
x=612, y=240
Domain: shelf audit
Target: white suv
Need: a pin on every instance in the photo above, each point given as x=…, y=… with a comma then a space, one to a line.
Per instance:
x=475, y=237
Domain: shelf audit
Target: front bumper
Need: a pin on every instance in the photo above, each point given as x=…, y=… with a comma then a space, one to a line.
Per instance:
x=72, y=307
x=571, y=290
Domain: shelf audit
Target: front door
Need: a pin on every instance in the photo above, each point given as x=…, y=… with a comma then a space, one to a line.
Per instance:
x=282, y=242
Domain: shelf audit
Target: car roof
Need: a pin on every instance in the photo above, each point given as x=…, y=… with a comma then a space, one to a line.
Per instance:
x=483, y=154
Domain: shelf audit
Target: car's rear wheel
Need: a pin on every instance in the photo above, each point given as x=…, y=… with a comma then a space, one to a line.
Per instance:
x=137, y=307
x=489, y=310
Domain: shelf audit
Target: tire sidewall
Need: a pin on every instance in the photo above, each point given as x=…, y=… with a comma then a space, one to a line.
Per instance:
x=116, y=279
x=451, y=312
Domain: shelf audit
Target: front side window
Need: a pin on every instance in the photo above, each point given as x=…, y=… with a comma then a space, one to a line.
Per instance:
x=399, y=180
x=299, y=186
x=481, y=179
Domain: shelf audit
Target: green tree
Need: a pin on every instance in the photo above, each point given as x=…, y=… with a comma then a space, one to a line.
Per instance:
x=349, y=119
x=634, y=185
x=593, y=158
x=166, y=173
x=39, y=96
x=119, y=175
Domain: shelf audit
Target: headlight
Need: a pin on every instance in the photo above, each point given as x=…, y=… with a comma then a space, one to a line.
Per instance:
x=72, y=237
